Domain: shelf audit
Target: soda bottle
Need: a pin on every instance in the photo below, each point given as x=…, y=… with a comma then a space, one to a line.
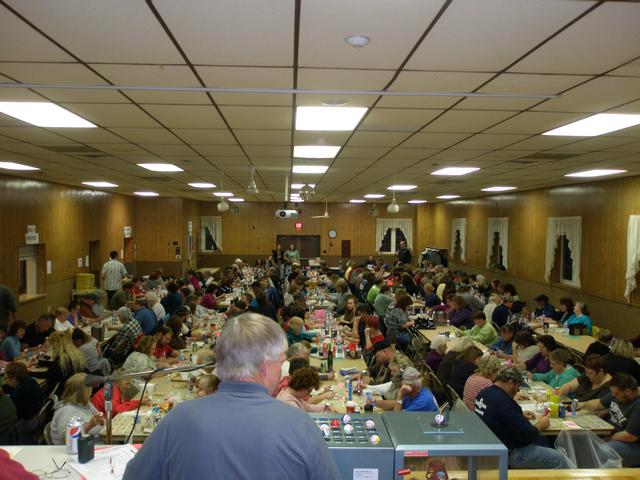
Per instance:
x=330, y=358
x=574, y=407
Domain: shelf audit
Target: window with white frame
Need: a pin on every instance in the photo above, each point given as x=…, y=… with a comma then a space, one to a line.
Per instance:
x=498, y=243
x=459, y=234
x=391, y=231
x=210, y=234
x=564, y=235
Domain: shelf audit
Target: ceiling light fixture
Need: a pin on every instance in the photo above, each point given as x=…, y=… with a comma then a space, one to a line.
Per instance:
x=329, y=118
x=298, y=186
x=100, y=184
x=223, y=205
x=315, y=151
x=402, y=188
x=146, y=194
x=223, y=194
x=374, y=195
x=202, y=185
x=335, y=103
x=594, y=173
x=498, y=189
x=455, y=171
x=393, y=207
x=417, y=202
x=311, y=169
x=598, y=124
x=236, y=199
x=448, y=197
x=161, y=167
x=357, y=41
x=355, y=200
x=44, y=114
x=16, y=166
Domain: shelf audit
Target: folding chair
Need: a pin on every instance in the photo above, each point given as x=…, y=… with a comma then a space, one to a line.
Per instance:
x=453, y=395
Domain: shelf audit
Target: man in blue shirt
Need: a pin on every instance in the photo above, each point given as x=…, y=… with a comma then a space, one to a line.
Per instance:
x=241, y=432
x=500, y=412
x=412, y=396
x=544, y=308
x=145, y=316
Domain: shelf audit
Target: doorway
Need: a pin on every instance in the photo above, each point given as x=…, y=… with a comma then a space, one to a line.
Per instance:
x=307, y=245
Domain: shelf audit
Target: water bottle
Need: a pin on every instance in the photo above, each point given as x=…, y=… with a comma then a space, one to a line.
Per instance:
x=574, y=407
x=114, y=317
x=349, y=389
x=181, y=356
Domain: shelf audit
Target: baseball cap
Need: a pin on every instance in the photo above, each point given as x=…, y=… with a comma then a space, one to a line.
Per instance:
x=381, y=345
x=410, y=373
x=511, y=374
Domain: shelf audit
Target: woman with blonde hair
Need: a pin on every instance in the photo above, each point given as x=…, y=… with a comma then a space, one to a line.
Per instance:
x=142, y=359
x=75, y=402
x=65, y=359
x=620, y=359
x=482, y=378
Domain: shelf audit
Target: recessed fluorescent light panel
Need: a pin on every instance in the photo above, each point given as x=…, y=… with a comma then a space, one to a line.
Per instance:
x=328, y=118
x=202, y=185
x=402, y=188
x=597, y=125
x=100, y=184
x=236, y=199
x=310, y=168
x=455, y=171
x=146, y=194
x=160, y=167
x=374, y=195
x=498, y=189
x=16, y=166
x=223, y=194
x=44, y=114
x=448, y=197
x=594, y=173
x=417, y=202
x=298, y=186
x=357, y=201
x=315, y=151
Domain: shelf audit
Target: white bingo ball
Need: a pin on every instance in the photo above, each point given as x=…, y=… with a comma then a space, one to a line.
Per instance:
x=348, y=428
x=346, y=419
x=370, y=424
x=375, y=439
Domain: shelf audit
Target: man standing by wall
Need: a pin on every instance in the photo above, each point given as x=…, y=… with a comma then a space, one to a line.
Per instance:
x=404, y=254
x=112, y=273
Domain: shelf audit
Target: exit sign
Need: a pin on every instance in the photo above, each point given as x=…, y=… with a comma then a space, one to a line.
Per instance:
x=298, y=225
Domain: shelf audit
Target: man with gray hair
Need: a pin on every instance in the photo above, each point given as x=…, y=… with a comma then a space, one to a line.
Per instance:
x=240, y=432
x=121, y=346
x=412, y=396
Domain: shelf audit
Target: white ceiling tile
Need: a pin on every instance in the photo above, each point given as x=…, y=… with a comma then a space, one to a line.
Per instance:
x=86, y=28
x=112, y=115
x=398, y=120
x=263, y=137
x=466, y=121
x=311, y=137
x=595, y=96
x=88, y=135
x=491, y=40
x=363, y=152
x=17, y=95
x=228, y=32
x=434, y=140
x=50, y=73
x=489, y=141
x=255, y=117
x=376, y=139
x=268, y=150
x=411, y=153
x=147, y=135
x=613, y=38
x=22, y=43
x=533, y=123
x=186, y=116
x=34, y=135
x=324, y=24
x=205, y=136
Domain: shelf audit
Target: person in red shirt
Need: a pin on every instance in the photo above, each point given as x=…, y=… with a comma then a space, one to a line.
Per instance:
x=12, y=470
x=163, y=348
x=118, y=402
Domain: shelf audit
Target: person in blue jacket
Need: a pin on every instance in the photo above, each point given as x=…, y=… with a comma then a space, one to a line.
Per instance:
x=543, y=307
x=581, y=317
x=412, y=396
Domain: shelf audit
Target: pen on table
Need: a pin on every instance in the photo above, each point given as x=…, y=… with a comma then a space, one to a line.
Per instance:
x=111, y=465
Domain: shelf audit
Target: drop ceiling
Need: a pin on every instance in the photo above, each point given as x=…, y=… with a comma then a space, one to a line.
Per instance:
x=586, y=53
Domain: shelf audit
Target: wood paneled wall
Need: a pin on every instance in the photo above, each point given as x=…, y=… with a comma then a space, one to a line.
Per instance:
x=253, y=230
x=604, y=206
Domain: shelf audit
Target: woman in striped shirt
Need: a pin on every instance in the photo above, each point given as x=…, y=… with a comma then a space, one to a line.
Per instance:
x=481, y=379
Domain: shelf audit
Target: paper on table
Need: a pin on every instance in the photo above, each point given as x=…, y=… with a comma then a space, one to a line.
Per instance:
x=528, y=406
x=108, y=463
x=12, y=451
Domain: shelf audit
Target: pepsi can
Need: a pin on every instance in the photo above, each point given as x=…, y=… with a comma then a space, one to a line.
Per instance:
x=562, y=411
x=74, y=430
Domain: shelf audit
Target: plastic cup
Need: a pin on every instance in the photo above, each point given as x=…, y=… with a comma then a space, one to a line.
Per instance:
x=351, y=406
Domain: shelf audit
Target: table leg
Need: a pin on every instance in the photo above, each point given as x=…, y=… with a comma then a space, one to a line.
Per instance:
x=473, y=468
x=503, y=466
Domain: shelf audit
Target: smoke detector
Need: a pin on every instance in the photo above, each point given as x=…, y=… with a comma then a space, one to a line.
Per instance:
x=357, y=41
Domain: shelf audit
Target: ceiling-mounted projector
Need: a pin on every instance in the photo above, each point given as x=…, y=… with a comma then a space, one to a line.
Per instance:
x=282, y=213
